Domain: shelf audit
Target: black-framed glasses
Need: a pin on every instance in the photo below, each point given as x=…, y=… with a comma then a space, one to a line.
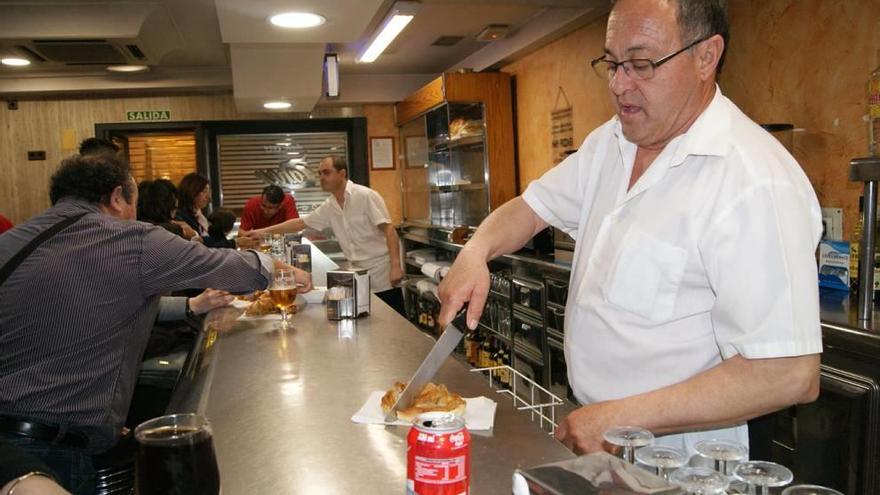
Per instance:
x=637, y=68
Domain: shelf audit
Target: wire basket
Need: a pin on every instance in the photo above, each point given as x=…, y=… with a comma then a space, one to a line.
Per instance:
x=538, y=407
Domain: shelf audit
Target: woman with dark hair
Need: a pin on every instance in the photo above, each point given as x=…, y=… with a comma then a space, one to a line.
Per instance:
x=193, y=194
x=156, y=205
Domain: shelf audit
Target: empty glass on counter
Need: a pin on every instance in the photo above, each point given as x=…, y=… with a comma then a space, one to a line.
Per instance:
x=810, y=490
x=700, y=481
x=628, y=438
x=724, y=454
x=762, y=475
x=662, y=459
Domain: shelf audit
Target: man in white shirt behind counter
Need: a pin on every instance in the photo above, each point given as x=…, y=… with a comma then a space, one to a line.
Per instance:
x=361, y=224
x=693, y=302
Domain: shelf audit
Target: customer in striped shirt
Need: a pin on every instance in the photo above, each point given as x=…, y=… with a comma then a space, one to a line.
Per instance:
x=76, y=312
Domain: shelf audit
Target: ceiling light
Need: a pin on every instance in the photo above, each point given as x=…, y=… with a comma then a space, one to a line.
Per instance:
x=398, y=17
x=15, y=61
x=331, y=74
x=127, y=68
x=297, y=20
x=276, y=105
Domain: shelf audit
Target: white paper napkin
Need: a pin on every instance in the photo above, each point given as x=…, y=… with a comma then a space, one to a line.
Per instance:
x=479, y=413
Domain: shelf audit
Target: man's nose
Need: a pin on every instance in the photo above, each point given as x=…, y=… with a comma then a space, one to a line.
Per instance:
x=620, y=82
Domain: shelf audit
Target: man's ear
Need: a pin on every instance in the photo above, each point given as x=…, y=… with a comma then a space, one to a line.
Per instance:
x=709, y=55
x=117, y=202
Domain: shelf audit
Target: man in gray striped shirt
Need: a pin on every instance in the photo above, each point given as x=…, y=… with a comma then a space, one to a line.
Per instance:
x=76, y=313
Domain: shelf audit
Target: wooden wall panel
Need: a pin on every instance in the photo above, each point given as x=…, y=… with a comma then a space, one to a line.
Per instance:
x=41, y=125
x=381, y=123
x=804, y=62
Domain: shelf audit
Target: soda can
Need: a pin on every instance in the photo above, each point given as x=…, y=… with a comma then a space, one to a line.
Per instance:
x=438, y=455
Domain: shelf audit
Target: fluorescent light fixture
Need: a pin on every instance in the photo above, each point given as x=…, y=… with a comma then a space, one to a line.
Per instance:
x=15, y=61
x=276, y=105
x=331, y=74
x=128, y=68
x=398, y=17
x=297, y=20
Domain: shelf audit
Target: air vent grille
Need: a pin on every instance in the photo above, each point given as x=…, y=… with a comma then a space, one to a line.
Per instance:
x=135, y=52
x=447, y=40
x=77, y=52
x=31, y=55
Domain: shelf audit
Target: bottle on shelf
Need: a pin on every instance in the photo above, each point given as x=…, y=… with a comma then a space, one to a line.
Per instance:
x=855, y=246
x=874, y=113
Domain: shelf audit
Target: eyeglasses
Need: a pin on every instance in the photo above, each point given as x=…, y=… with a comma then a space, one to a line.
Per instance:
x=636, y=68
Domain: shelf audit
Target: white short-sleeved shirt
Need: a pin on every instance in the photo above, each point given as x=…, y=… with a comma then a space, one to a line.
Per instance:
x=709, y=255
x=356, y=227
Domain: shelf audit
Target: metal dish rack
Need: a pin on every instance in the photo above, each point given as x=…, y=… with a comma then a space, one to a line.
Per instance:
x=545, y=411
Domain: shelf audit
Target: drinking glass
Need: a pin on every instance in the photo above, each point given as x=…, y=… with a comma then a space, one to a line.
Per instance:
x=629, y=438
x=664, y=460
x=283, y=291
x=762, y=475
x=810, y=490
x=699, y=481
x=724, y=453
x=266, y=243
x=175, y=455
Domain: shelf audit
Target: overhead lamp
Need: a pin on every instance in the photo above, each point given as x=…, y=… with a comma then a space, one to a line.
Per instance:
x=276, y=105
x=331, y=74
x=128, y=68
x=15, y=61
x=297, y=20
x=398, y=17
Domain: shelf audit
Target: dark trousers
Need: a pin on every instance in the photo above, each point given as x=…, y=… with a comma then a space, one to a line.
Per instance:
x=73, y=467
x=394, y=298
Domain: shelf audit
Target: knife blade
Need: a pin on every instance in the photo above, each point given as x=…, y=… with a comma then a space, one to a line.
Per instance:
x=441, y=350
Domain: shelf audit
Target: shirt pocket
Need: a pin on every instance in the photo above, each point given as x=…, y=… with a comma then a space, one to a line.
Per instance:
x=645, y=276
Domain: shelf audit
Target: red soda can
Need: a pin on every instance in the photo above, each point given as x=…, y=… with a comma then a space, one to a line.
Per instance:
x=438, y=455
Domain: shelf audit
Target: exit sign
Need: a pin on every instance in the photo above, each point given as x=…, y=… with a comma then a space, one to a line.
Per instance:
x=147, y=115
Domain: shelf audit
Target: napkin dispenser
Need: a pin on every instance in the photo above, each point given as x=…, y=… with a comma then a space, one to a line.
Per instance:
x=353, y=286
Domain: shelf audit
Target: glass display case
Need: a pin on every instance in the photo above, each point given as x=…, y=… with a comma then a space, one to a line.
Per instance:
x=446, y=171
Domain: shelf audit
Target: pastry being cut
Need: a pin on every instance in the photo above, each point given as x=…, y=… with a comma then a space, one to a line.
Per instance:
x=431, y=398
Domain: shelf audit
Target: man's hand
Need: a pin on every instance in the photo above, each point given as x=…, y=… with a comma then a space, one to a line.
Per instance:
x=582, y=430
x=208, y=300
x=303, y=279
x=251, y=234
x=467, y=282
x=188, y=231
x=396, y=274
x=246, y=242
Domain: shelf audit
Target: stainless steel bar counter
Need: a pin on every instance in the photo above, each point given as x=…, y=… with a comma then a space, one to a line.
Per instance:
x=281, y=401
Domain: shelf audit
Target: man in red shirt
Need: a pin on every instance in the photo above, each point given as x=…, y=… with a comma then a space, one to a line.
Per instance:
x=273, y=206
x=5, y=224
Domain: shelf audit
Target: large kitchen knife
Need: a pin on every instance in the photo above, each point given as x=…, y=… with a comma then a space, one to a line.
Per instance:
x=441, y=350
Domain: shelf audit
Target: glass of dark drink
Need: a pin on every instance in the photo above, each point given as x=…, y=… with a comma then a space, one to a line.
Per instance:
x=176, y=457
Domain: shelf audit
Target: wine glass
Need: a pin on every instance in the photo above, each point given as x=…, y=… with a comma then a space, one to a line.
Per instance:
x=723, y=452
x=663, y=459
x=176, y=455
x=699, y=481
x=762, y=475
x=629, y=438
x=810, y=490
x=283, y=291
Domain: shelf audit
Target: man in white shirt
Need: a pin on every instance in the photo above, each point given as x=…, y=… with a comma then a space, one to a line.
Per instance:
x=361, y=224
x=693, y=301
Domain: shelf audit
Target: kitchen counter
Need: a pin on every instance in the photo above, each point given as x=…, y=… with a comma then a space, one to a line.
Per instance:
x=280, y=403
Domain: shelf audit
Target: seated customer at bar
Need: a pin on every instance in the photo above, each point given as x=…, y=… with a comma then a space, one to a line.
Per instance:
x=80, y=286
x=157, y=204
x=222, y=221
x=193, y=195
x=271, y=207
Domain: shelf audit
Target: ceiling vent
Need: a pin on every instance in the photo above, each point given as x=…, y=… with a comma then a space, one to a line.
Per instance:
x=447, y=40
x=79, y=52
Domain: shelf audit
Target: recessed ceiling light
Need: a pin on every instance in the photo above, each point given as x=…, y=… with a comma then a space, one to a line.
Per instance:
x=127, y=68
x=276, y=105
x=15, y=61
x=297, y=20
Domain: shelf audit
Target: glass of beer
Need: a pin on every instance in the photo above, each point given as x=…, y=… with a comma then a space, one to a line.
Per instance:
x=283, y=291
x=266, y=243
x=175, y=455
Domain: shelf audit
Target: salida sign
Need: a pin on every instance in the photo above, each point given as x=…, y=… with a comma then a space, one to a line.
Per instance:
x=144, y=115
